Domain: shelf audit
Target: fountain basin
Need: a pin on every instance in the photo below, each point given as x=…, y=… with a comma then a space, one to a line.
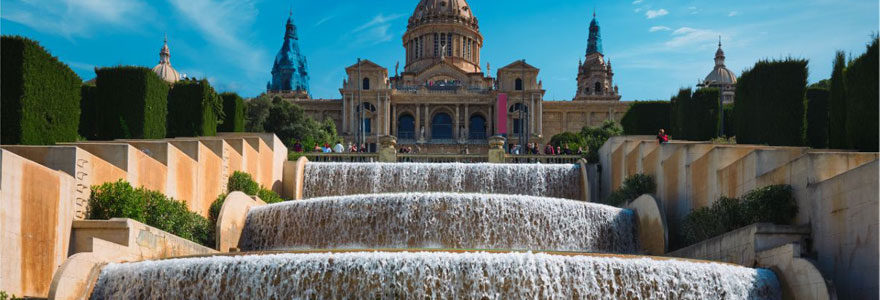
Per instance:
x=336, y=179
x=434, y=274
x=440, y=220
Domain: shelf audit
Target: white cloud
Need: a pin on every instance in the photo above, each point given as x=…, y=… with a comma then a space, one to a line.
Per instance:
x=659, y=28
x=690, y=37
x=375, y=31
x=71, y=18
x=656, y=13
x=637, y=1
x=694, y=10
x=638, y=10
x=733, y=13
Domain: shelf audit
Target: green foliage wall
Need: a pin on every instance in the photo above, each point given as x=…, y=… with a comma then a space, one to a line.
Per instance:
x=770, y=106
x=633, y=187
x=595, y=137
x=861, y=100
x=696, y=116
x=729, y=120
x=837, y=104
x=40, y=99
x=573, y=140
x=233, y=109
x=817, y=117
x=288, y=122
x=647, y=118
x=194, y=109
x=132, y=103
x=88, y=118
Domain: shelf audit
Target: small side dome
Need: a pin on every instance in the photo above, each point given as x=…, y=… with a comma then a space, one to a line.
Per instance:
x=164, y=68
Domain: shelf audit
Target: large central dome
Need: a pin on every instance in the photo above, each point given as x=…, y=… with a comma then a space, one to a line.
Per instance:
x=443, y=11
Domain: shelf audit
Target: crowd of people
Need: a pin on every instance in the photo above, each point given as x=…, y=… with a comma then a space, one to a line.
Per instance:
x=535, y=149
x=326, y=148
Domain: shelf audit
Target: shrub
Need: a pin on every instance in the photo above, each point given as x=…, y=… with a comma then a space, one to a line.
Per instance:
x=837, y=104
x=197, y=109
x=88, y=118
x=132, y=103
x=817, y=117
x=40, y=102
x=216, y=206
x=862, y=99
x=243, y=182
x=633, y=187
x=595, y=137
x=647, y=118
x=772, y=204
x=233, y=111
x=770, y=105
x=573, y=140
x=120, y=200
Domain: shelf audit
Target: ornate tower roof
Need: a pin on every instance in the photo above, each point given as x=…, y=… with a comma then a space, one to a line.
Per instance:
x=443, y=11
x=442, y=31
x=164, y=68
x=290, y=71
x=720, y=74
x=594, y=42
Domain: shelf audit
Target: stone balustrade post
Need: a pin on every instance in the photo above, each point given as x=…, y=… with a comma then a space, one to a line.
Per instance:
x=496, y=149
x=388, y=148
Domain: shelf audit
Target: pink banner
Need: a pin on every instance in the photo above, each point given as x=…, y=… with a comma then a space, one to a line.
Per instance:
x=501, y=120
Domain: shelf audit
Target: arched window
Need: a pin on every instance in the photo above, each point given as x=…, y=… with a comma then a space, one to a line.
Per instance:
x=369, y=106
x=598, y=88
x=518, y=84
x=516, y=107
x=406, y=127
x=366, y=85
x=477, y=127
x=441, y=126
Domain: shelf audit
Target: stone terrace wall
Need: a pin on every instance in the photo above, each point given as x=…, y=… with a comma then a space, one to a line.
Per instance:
x=836, y=193
x=45, y=188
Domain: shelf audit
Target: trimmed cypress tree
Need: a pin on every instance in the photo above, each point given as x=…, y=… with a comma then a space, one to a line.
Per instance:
x=861, y=100
x=729, y=120
x=647, y=117
x=677, y=109
x=196, y=109
x=88, y=119
x=817, y=117
x=770, y=106
x=837, y=104
x=41, y=95
x=132, y=103
x=696, y=116
x=233, y=109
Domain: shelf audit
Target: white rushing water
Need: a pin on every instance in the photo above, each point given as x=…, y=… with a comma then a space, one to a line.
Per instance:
x=440, y=220
x=421, y=275
x=334, y=179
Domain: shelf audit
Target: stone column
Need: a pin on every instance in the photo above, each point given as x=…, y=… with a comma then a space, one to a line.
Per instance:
x=540, y=117
x=393, y=128
x=467, y=123
x=418, y=120
x=533, y=110
x=344, y=114
x=389, y=118
x=455, y=131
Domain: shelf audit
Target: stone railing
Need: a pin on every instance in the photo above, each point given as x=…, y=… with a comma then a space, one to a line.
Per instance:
x=442, y=158
x=342, y=157
x=544, y=159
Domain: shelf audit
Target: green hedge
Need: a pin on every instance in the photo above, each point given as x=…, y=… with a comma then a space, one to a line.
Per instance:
x=573, y=140
x=729, y=120
x=40, y=99
x=633, y=187
x=88, y=118
x=861, y=100
x=120, y=200
x=772, y=204
x=770, y=103
x=647, y=118
x=233, y=109
x=242, y=182
x=695, y=116
x=196, y=109
x=132, y=103
x=817, y=117
x=837, y=104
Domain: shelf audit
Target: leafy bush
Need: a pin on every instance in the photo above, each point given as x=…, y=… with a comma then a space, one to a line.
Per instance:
x=647, y=118
x=862, y=100
x=132, y=103
x=595, y=137
x=573, y=140
x=772, y=204
x=197, y=109
x=817, y=117
x=243, y=182
x=696, y=116
x=233, y=110
x=216, y=206
x=770, y=105
x=40, y=102
x=288, y=122
x=120, y=200
x=633, y=187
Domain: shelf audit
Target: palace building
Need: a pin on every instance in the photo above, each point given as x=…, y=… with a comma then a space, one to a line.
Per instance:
x=444, y=98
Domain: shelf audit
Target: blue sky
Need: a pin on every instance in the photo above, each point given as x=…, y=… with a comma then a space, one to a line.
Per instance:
x=656, y=46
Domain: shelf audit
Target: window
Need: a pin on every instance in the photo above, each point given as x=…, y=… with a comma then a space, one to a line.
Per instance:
x=406, y=127
x=598, y=88
x=367, y=125
x=366, y=84
x=518, y=107
x=441, y=126
x=477, y=127
x=517, y=126
x=449, y=45
x=436, y=44
x=519, y=84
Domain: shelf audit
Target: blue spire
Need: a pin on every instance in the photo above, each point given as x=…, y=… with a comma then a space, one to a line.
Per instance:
x=594, y=43
x=290, y=71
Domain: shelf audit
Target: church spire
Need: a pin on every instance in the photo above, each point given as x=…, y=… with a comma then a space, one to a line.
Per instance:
x=719, y=55
x=594, y=42
x=290, y=71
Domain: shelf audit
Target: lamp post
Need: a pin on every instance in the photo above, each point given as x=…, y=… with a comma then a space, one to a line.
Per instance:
x=362, y=133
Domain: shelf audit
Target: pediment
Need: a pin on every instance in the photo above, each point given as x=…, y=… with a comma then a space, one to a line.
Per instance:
x=519, y=64
x=366, y=64
x=442, y=69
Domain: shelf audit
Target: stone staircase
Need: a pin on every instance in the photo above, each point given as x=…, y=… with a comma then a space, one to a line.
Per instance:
x=836, y=192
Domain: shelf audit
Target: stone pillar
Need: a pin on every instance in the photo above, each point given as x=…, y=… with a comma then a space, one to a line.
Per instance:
x=388, y=148
x=467, y=123
x=344, y=114
x=455, y=130
x=388, y=116
x=393, y=128
x=540, y=117
x=496, y=149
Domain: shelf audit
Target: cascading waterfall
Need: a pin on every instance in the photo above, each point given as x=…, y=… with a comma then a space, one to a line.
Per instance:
x=335, y=179
x=395, y=275
x=440, y=220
